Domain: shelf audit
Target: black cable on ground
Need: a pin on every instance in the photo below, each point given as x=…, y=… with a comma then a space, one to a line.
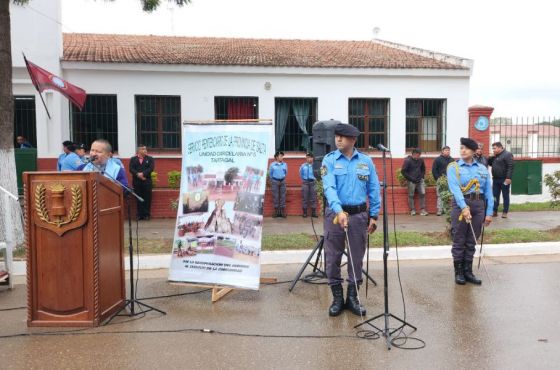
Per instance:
x=137, y=262
x=13, y=308
x=89, y=331
x=400, y=340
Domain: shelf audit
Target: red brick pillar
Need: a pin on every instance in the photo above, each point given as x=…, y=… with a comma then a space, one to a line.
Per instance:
x=479, y=128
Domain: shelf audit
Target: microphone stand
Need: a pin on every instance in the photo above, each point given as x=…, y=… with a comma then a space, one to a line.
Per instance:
x=386, y=332
x=132, y=300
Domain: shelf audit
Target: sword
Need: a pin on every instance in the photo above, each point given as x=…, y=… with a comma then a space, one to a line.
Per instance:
x=481, y=242
x=367, y=265
x=483, y=264
x=353, y=271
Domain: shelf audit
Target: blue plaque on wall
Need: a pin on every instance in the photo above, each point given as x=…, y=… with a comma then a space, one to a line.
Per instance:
x=481, y=123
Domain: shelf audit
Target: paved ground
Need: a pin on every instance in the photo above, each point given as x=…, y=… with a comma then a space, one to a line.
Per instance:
x=158, y=228
x=512, y=324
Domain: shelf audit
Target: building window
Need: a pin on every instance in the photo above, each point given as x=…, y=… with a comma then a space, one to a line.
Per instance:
x=425, y=124
x=24, y=119
x=236, y=107
x=158, y=122
x=98, y=120
x=294, y=120
x=371, y=117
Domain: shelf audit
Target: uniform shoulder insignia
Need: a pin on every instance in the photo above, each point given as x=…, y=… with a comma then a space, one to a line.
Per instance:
x=452, y=164
x=324, y=170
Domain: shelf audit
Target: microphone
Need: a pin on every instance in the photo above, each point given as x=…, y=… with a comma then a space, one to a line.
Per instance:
x=91, y=159
x=382, y=148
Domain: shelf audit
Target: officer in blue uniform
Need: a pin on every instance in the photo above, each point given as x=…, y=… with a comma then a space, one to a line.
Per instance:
x=308, y=180
x=349, y=178
x=278, y=171
x=469, y=182
x=67, y=148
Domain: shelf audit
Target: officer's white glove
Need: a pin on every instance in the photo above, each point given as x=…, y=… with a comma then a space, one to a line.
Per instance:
x=466, y=214
x=341, y=219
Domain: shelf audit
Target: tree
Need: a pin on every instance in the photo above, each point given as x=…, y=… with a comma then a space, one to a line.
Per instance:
x=8, y=179
x=230, y=175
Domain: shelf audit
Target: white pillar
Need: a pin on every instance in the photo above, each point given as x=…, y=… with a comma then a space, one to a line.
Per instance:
x=533, y=144
x=397, y=127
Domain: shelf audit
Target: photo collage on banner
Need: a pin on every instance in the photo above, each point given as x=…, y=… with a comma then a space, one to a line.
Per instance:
x=220, y=214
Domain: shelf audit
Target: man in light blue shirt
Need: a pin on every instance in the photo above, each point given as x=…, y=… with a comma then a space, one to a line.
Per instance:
x=473, y=202
x=308, y=181
x=278, y=171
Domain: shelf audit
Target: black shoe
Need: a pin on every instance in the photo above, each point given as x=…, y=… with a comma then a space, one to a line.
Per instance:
x=304, y=213
x=459, y=273
x=276, y=213
x=283, y=213
x=314, y=213
x=469, y=276
x=147, y=218
x=352, y=302
x=338, y=300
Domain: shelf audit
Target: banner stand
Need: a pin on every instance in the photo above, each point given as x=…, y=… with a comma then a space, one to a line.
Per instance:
x=218, y=292
x=218, y=234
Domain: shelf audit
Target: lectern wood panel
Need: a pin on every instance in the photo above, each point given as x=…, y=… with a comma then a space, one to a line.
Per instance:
x=74, y=235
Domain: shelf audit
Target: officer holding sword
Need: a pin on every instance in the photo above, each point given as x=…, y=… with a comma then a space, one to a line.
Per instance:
x=349, y=178
x=473, y=202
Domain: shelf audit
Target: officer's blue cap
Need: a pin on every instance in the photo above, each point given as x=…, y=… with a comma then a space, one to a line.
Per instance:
x=469, y=143
x=345, y=129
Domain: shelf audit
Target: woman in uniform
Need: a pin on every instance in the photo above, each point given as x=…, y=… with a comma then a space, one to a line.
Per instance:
x=469, y=182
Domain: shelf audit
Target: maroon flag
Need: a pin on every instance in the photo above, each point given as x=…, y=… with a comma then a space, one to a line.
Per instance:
x=44, y=80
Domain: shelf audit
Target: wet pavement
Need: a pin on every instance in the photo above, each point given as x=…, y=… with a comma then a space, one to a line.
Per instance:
x=510, y=324
x=163, y=228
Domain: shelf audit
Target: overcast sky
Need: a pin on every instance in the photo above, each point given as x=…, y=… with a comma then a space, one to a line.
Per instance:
x=515, y=44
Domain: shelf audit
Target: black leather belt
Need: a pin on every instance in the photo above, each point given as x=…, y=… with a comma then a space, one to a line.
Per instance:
x=278, y=179
x=352, y=210
x=308, y=180
x=473, y=196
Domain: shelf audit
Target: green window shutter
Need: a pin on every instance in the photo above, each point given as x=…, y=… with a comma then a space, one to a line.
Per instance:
x=534, y=177
x=26, y=161
x=519, y=178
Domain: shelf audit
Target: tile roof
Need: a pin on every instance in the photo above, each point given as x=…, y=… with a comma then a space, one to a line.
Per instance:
x=107, y=48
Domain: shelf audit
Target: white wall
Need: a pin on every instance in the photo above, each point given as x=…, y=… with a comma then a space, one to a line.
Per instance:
x=36, y=31
x=547, y=168
x=197, y=91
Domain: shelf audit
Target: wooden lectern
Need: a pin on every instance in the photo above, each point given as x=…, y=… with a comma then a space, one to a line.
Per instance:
x=74, y=234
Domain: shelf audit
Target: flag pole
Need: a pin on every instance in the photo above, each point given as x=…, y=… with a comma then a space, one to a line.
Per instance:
x=34, y=83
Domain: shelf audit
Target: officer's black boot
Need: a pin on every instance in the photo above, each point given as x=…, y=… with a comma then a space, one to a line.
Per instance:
x=305, y=213
x=283, y=212
x=352, y=302
x=469, y=276
x=459, y=273
x=314, y=213
x=338, y=300
x=276, y=213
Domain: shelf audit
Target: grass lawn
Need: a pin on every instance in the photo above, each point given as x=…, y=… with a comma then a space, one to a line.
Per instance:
x=292, y=241
x=530, y=206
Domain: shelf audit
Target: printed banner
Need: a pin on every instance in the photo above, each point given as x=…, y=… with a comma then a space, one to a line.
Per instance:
x=220, y=214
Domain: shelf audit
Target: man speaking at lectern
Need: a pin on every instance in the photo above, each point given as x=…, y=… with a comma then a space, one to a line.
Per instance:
x=100, y=160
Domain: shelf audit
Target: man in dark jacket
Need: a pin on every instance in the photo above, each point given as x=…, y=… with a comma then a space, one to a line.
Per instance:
x=439, y=168
x=479, y=156
x=502, y=170
x=141, y=168
x=414, y=170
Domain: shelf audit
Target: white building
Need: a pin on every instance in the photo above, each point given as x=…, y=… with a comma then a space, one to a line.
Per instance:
x=140, y=88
